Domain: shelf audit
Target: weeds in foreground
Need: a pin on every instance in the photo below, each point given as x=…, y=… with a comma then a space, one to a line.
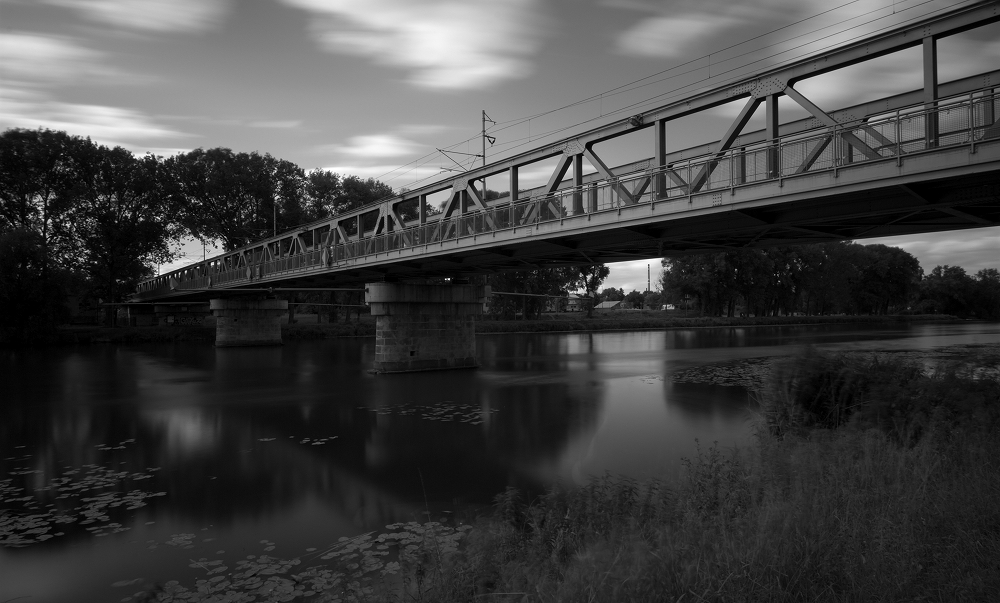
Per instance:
x=900, y=502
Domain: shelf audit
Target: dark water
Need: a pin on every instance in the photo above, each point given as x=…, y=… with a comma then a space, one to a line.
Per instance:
x=118, y=463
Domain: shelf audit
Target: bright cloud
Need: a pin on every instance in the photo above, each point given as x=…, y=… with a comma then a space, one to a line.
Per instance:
x=104, y=124
x=151, y=15
x=671, y=36
x=49, y=59
x=440, y=42
x=376, y=145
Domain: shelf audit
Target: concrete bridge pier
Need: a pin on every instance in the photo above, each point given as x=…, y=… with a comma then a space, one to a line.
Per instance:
x=424, y=327
x=248, y=321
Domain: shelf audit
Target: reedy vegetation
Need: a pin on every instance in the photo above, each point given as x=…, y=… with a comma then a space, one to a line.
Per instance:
x=870, y=481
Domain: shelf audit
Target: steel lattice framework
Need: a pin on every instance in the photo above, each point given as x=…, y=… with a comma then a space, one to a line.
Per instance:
x=927, y=160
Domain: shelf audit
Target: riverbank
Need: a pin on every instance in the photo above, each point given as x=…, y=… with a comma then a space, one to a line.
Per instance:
x=896, y=496
x=562, y=323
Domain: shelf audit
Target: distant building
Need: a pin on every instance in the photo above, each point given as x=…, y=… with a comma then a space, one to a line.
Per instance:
x=576, y=303
x=609, y=305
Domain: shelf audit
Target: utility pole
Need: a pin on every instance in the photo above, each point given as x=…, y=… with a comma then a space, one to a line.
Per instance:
x=492, y=140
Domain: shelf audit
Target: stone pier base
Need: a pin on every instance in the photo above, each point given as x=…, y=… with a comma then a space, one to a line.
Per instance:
x=424, y=327
x=247, y=321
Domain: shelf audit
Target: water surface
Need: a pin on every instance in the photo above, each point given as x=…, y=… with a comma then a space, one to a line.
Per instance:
x=121, y=462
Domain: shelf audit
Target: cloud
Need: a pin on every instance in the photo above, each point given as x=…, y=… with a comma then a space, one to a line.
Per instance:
x=971, y=249
x=151, y=15
x=441, y=43
x=286, y=124
x=48, y=59
x=376, y=146
x=104, y=124
x=671, y=36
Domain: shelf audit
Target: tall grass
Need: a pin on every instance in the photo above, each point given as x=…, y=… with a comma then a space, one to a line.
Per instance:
x=851, y=503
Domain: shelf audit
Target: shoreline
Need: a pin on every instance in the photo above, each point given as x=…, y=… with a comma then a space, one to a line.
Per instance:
x=554, y=325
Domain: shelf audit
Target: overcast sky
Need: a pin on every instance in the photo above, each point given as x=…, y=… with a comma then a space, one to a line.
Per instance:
x=373, y=87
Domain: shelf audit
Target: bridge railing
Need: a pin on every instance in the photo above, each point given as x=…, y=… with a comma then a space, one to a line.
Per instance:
x=965, y=120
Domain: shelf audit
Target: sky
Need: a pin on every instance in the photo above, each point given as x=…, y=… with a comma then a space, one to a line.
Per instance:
x=373, y=88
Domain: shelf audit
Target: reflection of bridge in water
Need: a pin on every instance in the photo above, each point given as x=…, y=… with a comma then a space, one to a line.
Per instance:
x=922, y=161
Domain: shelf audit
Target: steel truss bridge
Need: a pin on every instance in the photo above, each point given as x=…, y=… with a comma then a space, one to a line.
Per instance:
x=927, y=160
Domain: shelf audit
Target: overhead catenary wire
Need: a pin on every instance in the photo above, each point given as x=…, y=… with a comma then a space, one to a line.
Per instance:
x=509, y=145
x=682, y=89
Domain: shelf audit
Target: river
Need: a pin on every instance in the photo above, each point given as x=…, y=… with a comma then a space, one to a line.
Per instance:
x=119, y=465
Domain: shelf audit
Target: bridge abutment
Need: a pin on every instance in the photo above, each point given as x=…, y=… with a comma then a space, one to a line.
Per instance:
x=243, y=321
x=424, y=327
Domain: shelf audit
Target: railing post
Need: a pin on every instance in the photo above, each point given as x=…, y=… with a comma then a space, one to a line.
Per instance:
x=972, y=124
x=899, y=139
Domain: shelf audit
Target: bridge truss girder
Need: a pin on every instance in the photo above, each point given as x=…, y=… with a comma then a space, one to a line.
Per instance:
x=899, y=200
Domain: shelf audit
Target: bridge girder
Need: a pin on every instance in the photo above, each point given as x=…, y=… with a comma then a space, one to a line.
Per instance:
x=853, y=174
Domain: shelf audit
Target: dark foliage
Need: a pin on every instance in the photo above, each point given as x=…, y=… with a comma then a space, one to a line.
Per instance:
x=827, y=278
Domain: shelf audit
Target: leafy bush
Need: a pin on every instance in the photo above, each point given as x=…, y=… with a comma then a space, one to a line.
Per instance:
x=898, y=397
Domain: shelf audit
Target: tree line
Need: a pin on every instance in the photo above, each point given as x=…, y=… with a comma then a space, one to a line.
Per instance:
x=90, y=221
x=826, y=278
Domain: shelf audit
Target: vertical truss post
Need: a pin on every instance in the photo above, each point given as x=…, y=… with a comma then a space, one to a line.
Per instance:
x=422, y=209
x=930, y=92
x=988, y=113
x=577, y=184
x=771, y=132
x=660, y=159
x=592, y=198
x=513, y=183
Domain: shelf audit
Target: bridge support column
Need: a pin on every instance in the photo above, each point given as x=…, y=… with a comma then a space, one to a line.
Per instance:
x=424, y=327
x=243, y=321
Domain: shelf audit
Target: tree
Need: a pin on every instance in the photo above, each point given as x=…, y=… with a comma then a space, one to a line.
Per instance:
x=122, y=218
x=322, y=189
x=887, y=278
x=534, y=283
x=653, y=300
x=986, y=294
x=34, y=173
x=589, y=278
x=634, y=299
x=236, y=198
x=948, y=290
x=32, y=304
x=704, y=277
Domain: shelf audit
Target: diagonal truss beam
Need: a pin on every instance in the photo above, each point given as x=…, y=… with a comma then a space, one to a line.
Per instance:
x=602, y=167
x=479, y=203
x=828, y=121
x=727, y=141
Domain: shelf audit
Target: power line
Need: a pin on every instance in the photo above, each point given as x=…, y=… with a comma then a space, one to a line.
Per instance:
x=509, y=145
x=677, y=91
